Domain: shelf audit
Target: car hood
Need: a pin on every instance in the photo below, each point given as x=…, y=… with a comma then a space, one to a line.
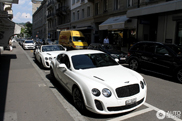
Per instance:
x=51, y=53
x=112, y=75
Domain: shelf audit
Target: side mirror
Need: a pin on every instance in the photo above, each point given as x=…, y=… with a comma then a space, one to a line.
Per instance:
x=117, y=60
x=62, y=67
x=65, y=48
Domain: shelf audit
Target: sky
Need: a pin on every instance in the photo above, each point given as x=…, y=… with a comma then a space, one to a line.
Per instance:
x=22, y=12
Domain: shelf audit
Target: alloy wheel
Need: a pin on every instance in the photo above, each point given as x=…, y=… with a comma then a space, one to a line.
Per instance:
x=179, y=75
x=134, y=64
x=78, y=100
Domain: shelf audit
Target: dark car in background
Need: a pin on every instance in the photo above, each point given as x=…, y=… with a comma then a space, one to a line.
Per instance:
x=109, y=49
x=160, y=58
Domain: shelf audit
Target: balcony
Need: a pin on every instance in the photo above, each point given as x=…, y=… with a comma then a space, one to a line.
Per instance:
x=50, y=4
x=62, y=11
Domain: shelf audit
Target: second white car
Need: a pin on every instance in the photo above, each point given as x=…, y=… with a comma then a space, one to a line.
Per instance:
x=45, y=53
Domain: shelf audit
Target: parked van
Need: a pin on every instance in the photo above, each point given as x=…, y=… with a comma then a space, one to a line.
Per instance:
x=72, y=39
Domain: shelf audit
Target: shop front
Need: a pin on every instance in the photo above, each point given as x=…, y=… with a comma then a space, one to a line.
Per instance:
x=120, y=30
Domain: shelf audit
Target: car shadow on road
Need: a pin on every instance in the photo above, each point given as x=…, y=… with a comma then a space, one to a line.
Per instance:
x=5, y=60
x=67, y=96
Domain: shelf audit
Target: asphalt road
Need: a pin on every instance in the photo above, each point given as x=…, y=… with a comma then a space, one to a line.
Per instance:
x=163, y=94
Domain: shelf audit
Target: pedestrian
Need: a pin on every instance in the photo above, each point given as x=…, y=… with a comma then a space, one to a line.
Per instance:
x=106, y=40
x=11, y=45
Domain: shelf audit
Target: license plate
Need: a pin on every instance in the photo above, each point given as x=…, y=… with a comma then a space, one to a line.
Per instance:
x=122, y=58
x=131, y=101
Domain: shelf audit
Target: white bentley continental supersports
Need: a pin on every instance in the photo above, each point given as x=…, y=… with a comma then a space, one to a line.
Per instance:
x=45, y=53
x=98, y=83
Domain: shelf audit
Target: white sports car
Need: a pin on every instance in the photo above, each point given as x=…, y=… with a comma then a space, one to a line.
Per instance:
x=46, y=53
x=28, y=44
x=98, y=83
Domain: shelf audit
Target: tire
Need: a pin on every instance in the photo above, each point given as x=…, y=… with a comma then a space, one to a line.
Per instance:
x=134, y=64
x=179, y=75
x=78, y=100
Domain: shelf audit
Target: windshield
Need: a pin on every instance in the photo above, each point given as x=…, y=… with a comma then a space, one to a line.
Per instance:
x=79, y=39
x=176, y=49
x=92, y=61
x=52, y=48
x=29, y=42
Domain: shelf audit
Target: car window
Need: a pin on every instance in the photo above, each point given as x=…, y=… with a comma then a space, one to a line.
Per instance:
x=150, y=48
x=64, y=59
x=92, y=61
x=139, y=47
x=161, y=50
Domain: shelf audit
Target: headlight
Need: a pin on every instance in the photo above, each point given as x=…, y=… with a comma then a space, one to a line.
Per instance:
x=114, y=55
x=142, y=84
x=106, y=92
x=95, y=92
x=46, y=58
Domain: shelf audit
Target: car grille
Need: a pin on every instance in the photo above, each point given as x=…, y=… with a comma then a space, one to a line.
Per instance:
x=128, y=90
x=125, y=107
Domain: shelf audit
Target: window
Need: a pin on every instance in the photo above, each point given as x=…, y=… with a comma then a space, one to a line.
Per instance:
x=105, y=5
x=130, y=3
x=161, y=50
x=78, y=15
x=77, y=0
x=73, y=2
x=88, y=11
x=83, y=13
x=116, y=4
x=73, y=16
x=64, y=59
x=96, y=8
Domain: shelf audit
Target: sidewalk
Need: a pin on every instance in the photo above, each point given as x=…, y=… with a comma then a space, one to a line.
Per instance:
x=21, y=96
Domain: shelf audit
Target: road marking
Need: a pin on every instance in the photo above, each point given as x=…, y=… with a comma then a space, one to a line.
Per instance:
x=157, y=109
x=31, y=51
x=130, y=115
x=47, y=71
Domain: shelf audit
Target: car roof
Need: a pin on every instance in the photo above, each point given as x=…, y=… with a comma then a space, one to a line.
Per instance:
x=80, y=52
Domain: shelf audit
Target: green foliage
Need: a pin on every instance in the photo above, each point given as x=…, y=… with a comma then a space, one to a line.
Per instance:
x=27, y=30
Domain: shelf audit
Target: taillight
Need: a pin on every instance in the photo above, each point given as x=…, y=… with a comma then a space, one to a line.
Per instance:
x=128, y=54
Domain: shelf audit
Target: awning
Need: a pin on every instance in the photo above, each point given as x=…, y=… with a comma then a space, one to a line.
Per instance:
x=117, y=22
x=83, y=28
x=153, y=9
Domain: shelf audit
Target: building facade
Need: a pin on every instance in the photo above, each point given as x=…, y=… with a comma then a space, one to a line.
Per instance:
x=39, y=29
x=125, y=22
x=158, y=20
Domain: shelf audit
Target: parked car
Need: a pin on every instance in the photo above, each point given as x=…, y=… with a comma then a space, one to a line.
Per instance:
x=161, y=58
x=109, y=49
x=45, y=53
x=21, y=42
x=39, y=42
x=48, y=41
x=98, y=83
x=28, y=44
